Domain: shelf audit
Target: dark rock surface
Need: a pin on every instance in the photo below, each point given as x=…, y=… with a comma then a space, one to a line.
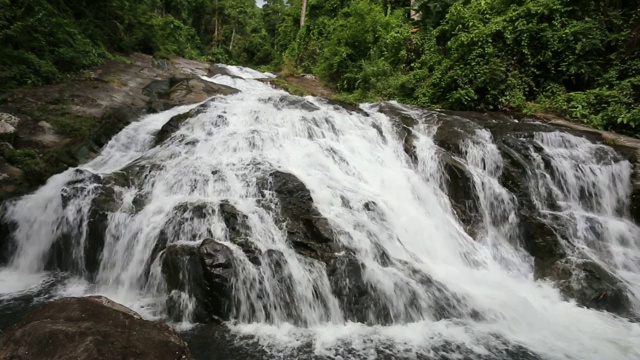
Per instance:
x=166, y=94
x=204, y=272
x=91, y=328
x=308, y=231
x=105, y=200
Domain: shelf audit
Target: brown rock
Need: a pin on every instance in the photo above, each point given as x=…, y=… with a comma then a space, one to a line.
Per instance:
x=89, y=329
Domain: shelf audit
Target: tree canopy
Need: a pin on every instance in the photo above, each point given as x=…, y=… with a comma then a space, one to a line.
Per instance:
x=578, y=58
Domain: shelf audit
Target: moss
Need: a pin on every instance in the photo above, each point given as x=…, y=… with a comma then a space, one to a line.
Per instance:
x=611, y=141
x=28, y=160
x=290, y=88
x=75, y=126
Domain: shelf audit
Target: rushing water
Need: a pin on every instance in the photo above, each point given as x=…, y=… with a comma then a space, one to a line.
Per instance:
x=493, y=310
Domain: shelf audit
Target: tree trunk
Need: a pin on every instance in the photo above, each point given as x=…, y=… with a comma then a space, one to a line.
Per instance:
x=413, y=13
x=215, y=31
x=303, y=14
x=233, y=35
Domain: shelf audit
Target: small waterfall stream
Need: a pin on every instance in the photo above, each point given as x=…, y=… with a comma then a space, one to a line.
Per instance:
x=401, y=279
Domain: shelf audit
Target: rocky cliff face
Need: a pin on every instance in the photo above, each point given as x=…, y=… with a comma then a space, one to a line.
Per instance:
x=47, y=129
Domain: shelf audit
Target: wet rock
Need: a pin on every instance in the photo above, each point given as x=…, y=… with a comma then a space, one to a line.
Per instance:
x=453, y=132
x=91, y=328
x=176, y=122
x=105, y=201
x=308, y=231
x=358, y=299
x=462, y=194
x=12, y=179
x=403, y=124
x=182, y=226
x=635, y=205
x=205, y=273
x=7, y=245
x=238, y=231
x=292, y=102
x=169, y=93
x=219, y=70
x=590, y=285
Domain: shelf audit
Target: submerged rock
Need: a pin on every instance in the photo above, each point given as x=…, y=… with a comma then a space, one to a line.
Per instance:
x=92, y=328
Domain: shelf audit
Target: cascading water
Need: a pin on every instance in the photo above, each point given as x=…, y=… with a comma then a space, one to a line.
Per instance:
x=589, y=190
x=433, y=291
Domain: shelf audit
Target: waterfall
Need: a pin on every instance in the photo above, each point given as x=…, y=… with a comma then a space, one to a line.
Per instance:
x=430, y=289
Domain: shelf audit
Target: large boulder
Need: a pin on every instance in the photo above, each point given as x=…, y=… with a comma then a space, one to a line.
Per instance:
x=203, y=272
x=91, y=328
x=308, y=231
x=169, y=93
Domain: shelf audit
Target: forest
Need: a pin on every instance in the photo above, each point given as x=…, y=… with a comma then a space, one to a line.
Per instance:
x=576, y=58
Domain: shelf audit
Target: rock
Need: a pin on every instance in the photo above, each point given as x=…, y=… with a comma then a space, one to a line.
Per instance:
x=189, y=91
x=403, y=124
x=91, y=328
x=453, y=132
x=308, y=231
x=219, y=70
x=67, y=123
x=7, y=245
x=105, y=201
x=12, y=179
x=7, y=132
x=238, y=231
x=204, y=272
x=46, y=127
x=166, y=94
x=174, y=124
x=291, y=102
x=462, y=194
x=358, y=299
x=10, y=119
x=590, y=285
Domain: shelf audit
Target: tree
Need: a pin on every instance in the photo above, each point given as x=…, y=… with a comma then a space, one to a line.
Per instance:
x=303, y=13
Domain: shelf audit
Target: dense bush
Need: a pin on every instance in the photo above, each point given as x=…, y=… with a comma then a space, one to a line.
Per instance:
x=45, y=41
x=576, y=58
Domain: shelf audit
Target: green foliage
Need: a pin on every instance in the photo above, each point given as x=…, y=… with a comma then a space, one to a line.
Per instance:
x=47, y=41
x=74, y=126
x=28, y=161
x=580, y=59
